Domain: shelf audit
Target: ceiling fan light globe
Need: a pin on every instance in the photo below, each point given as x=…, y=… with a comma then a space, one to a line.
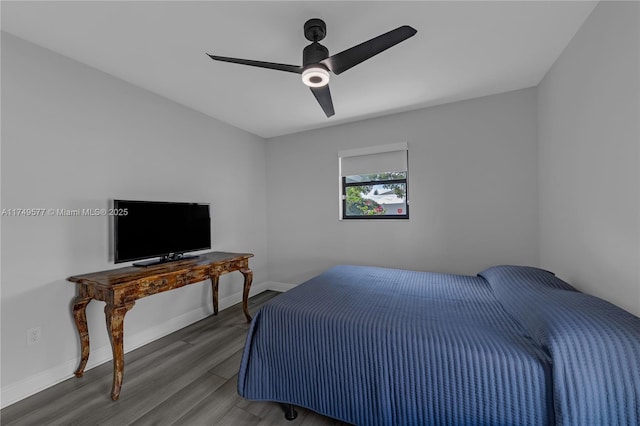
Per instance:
x=315, y=77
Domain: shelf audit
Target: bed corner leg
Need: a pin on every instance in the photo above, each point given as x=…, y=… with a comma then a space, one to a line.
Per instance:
x=290, y=412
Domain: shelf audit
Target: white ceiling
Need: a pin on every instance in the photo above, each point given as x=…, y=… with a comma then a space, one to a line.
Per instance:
x=462, y=50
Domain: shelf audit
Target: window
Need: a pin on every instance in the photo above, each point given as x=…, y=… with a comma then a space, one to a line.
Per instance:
x=373, y=182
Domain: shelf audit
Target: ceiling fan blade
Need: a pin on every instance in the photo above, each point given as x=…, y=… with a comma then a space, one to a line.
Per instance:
x=270, y=65
x=323, y=96
x=349, y=58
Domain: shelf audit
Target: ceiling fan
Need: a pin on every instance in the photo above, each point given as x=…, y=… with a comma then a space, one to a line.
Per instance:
x=316, y=62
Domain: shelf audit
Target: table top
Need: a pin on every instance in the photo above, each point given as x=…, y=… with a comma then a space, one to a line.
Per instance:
x=113, y=277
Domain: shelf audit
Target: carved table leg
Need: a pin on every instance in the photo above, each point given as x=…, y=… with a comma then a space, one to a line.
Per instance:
x=215, y=278
x=80, y=317
x=248, y=277
x=115, y=328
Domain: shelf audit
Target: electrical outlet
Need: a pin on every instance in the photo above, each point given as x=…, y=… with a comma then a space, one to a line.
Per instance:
x=33, y=335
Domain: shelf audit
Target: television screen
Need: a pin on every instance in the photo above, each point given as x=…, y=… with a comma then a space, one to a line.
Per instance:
x=147, y=229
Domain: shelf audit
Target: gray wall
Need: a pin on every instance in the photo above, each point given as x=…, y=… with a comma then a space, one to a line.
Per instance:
x=589, y=115
x=472, y=191
x=74, y=137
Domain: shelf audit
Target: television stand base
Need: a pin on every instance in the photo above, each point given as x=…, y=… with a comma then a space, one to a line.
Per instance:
x=164, y=259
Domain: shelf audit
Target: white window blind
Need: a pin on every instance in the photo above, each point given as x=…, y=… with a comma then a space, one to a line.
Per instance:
x=376, y=159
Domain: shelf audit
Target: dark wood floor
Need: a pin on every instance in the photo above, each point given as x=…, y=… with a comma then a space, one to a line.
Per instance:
x=186, y=378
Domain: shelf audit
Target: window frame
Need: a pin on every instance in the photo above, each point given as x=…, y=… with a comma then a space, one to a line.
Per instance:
x=343, y=184
x=346, y=185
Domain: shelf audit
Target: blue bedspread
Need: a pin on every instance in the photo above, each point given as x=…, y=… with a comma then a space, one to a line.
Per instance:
x=594, y=345
x=375, y=346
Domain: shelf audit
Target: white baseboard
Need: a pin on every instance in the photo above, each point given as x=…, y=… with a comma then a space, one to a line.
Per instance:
x=276, y=286
x=15, y=392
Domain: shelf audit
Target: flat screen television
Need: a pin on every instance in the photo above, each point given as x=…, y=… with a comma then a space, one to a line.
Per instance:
x=167, y=230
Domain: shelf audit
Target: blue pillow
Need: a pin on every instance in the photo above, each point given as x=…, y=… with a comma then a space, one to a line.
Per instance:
x=524, y=277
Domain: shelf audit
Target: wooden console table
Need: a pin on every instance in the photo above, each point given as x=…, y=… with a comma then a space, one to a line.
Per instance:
x=120, y=288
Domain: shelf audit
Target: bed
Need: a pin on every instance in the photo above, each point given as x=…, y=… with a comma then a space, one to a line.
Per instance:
x=510, y=346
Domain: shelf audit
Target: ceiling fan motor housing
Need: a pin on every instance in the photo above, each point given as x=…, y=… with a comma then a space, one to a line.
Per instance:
x=314, y=53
